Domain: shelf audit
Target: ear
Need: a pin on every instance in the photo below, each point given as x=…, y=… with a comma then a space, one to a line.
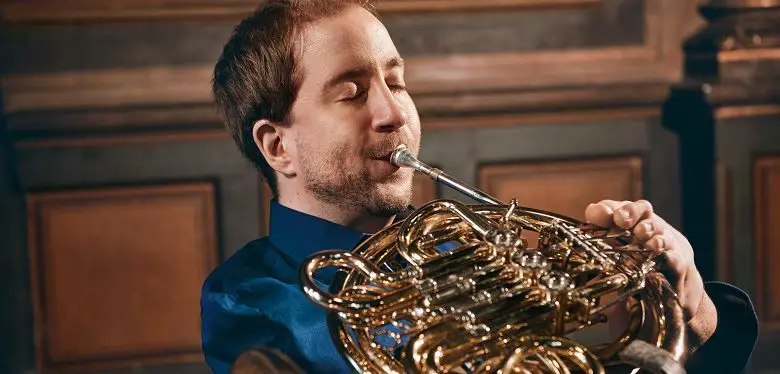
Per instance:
x=270, y=140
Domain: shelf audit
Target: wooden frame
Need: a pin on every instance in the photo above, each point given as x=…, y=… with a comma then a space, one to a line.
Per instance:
x=454, y=5
x=762, y=196
x=470, y=82
x=37, y=223
x=492, y=175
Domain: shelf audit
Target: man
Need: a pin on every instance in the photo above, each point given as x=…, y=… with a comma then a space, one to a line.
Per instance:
x=313, y=93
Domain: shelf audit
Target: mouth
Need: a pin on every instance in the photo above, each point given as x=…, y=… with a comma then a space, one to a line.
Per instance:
x=385, y=156
x=383, y=167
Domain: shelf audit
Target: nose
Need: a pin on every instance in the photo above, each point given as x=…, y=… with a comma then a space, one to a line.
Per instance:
x=387, y=112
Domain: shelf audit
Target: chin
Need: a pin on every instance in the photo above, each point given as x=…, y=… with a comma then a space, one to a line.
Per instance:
x=394, y=192
x=392, y=198
x=398, y=185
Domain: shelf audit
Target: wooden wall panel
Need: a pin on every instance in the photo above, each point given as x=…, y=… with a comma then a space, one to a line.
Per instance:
x=767, y=210
x=114, y=10
x=116, y=274
x=564, y=187
x=443, y=72
x=117, y=68
x=425, y=189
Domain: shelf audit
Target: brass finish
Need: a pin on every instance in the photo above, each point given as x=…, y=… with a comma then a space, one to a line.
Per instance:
x=495, y=303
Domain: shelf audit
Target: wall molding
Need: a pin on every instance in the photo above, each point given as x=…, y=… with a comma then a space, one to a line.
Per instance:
x=437, y=112
x=439, y=80
x=726, y=112
x=144, y=10
x=766, y=179
x=82, y=131
x=406, y=6
x=541, y=183
x=475, y=82
x=123, y=139
x=57, y=350
x=724, y=220
x=107, y=88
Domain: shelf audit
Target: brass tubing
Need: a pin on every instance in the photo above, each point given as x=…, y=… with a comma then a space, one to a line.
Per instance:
x=492, y=304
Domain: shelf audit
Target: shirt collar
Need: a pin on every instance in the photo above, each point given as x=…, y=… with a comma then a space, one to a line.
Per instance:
x=299, y=235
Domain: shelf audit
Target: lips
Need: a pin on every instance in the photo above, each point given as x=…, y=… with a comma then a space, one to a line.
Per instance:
x=381, y=166
x=383, y=149
x=385, y=156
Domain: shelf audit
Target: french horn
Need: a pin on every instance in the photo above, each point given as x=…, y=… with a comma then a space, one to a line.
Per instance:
x=496, y=288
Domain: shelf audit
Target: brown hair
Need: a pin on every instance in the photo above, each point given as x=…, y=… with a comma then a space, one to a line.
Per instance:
x=256, y=76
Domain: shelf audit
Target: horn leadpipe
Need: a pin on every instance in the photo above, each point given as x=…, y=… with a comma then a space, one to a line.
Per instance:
x=402, y=157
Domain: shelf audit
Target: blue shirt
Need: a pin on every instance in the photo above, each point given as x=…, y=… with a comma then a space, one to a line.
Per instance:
x=254, y=299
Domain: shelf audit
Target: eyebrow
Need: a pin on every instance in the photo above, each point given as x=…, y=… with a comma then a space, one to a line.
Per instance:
x=345, y=76
x=395, y=62
x=355, y=73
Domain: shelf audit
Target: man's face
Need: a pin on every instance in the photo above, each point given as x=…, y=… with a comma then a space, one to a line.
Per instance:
x=351, y=111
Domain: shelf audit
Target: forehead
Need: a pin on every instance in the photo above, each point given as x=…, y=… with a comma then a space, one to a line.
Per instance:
x=351, y=37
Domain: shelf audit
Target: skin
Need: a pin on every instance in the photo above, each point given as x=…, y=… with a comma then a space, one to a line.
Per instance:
x=675, y=256
x=331, y=161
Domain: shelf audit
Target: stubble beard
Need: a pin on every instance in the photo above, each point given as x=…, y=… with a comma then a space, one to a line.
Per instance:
x=350, y=188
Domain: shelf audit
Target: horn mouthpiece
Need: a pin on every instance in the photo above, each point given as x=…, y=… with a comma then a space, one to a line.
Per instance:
x=403, y=157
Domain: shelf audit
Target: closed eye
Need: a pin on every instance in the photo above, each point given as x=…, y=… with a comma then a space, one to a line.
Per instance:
x=350, y=91
x=357, y=93
x=395, y=81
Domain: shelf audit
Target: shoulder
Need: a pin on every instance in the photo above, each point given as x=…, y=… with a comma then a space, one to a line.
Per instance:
x=248, y=285
x=254, y=259
x=250, y=267
x=256, y=272
x=248, y=301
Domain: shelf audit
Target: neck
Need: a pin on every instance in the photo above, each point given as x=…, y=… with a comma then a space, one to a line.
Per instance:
x=352, y=218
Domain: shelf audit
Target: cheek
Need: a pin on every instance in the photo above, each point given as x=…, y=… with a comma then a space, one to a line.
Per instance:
x=413, y=118
x=416, y=131
x=339, y=151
